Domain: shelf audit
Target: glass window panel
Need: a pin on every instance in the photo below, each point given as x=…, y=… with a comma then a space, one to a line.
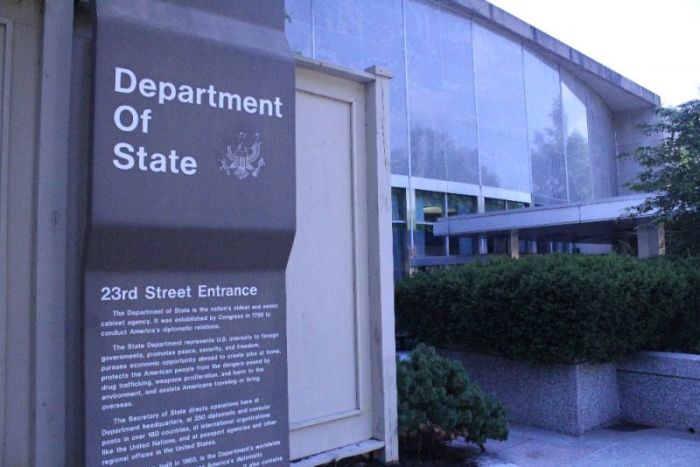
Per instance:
x=574, y=106
x=549, y=176
x=576, y=142
x=560, y=247
x=398, y=204
x=502, y=159
x=358, y=34
x=339, y=48
x=429, y=206
x=399, y=232
x=400, y=250
x=500, y=103
x=580, y=179
x=427, y=149
x=427, y=244
x=339, y=15
x=543, y=96
x=299, y=38
x=441, y=94
x=492, y=204
x=456, y=38
x=392, y=58
x=461, y=157
x=516, y=205
x=601, y=141
x=385, y=56
x=382, y=21
x=423, y=27
x=399, y=134
x=545, y=129
x=522, y=247
x=299, y=11
x=498, y=245
x=298, y=26
x=458, y=205
x=463, y=246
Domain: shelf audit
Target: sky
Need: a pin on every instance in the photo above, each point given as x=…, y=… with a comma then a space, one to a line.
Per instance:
x=655, y=43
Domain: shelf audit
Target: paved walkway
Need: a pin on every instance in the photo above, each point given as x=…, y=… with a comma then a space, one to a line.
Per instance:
x=617, y=445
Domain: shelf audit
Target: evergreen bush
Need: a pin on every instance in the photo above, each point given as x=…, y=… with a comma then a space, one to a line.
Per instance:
x=681, y=333
x=437, y=403
x=548, y=309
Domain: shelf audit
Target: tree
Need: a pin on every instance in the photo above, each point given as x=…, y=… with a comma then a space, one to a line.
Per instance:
x=670, y=172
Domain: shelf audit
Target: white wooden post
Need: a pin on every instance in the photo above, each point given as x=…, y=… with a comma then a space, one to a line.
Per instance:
x=383, y=347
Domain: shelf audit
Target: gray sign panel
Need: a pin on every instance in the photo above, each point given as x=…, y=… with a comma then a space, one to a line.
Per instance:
x=192, y=221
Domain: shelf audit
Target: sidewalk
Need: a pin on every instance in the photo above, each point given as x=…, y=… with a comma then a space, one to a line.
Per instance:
x=617, y=445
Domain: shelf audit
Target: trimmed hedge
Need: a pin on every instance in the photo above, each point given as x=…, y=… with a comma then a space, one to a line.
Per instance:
x=681, y=333
x=555, y=308
x=437, y=403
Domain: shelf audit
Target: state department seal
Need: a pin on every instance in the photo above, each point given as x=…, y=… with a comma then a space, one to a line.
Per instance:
x=245, y=160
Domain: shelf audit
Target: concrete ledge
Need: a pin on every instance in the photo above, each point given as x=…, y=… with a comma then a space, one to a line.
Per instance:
x=680, y=365
x=661, y=389
x=570, y=399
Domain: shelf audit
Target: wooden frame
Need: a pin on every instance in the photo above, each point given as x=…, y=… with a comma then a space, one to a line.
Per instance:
x=379, y=262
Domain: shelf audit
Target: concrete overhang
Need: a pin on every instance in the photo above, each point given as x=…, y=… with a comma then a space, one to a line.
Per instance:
x=593, y=221
x=620, y=93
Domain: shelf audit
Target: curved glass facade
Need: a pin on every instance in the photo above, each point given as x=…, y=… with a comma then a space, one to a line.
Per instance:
x=473, y=112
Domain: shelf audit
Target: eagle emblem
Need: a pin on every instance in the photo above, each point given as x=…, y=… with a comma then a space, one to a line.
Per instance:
x=245, y=160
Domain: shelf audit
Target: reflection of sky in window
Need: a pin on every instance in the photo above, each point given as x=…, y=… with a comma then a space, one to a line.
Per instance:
x=575, y=117
x=601, y=140
x=441, y=94
x=358, y=34
x=500, y=103
x=298, y=26
x=443, y=64
x=543, y=95
x=577, y=151
x=546, y=135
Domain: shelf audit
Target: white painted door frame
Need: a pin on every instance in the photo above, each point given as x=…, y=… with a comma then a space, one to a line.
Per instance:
x=373, y=233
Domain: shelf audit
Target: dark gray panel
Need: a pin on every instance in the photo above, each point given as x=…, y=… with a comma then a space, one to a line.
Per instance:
x=189, y=234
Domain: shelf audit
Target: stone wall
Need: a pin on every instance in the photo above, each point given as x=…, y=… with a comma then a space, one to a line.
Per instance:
x=571, y=399
x=657, y=389
x=660, y=389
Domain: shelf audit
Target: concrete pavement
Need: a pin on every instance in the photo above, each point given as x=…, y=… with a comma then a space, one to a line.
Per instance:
x=617, y=446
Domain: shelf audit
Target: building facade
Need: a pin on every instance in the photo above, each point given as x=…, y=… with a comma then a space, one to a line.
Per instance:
x=487, y=114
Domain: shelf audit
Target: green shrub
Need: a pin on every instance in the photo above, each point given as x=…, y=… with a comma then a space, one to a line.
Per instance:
x=435, y=297
x=681, y=333
x=545, y=309
x=437, y=403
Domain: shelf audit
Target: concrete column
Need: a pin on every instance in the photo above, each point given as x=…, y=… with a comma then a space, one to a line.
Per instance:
x=651, y=240
x=514, y=244
x=483, y=245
